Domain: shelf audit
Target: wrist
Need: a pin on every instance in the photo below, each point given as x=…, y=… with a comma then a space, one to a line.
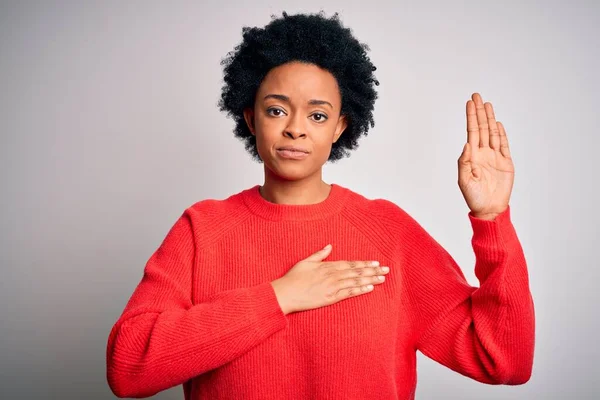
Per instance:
x=488, y=217
x=279, y=293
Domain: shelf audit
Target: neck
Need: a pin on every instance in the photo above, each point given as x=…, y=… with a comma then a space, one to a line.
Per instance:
x=310, y=190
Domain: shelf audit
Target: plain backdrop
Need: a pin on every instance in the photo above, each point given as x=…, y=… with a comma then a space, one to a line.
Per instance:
x=110, y=129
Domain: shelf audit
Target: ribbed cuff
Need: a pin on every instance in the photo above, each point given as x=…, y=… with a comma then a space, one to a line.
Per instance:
x=499, y=228
x=493, y=240
x=268, y=310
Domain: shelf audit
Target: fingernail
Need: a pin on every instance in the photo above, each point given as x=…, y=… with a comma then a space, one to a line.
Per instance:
x=369, y=287
x=375, y=263
x=327, y=247
x=385, y=269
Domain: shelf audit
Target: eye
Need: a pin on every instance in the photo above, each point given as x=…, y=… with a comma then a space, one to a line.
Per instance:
x=319, y=117
x=275, y=112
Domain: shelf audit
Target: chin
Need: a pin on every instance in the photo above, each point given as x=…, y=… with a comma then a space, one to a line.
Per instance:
x=290, y=172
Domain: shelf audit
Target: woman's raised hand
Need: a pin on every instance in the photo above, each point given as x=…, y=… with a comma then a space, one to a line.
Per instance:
x=485, y=167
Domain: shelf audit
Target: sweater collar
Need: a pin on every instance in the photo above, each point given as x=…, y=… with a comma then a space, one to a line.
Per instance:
x=293, y=212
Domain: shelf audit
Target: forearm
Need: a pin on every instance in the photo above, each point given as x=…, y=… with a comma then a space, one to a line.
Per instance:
x=487, y=333
x=489, y=336
x=151, y=351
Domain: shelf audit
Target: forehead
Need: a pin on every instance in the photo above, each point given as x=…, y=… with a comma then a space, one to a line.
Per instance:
x=301, y=81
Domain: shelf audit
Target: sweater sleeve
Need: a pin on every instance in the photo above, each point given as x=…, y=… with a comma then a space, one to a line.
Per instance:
x=485, y=333
x=162, y=339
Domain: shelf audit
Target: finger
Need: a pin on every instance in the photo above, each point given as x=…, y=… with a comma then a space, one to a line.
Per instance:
x=342, y=265
x=360, y=281
x=358, y=272
x=472, y=125
x=357, y=264
x=504, y=149
x=353, y=292
x=321, y=254
x=493, y=126
x=484, y=133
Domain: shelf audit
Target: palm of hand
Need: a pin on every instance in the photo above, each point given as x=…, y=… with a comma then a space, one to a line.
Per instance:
x=485, y=168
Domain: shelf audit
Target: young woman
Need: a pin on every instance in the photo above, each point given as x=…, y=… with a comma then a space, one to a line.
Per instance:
x=243, y=301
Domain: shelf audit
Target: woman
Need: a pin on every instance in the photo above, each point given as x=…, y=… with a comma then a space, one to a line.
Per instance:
x=237, y=303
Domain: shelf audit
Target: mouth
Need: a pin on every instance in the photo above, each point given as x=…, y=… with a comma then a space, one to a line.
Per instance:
x=293, y=149
x=292, y=153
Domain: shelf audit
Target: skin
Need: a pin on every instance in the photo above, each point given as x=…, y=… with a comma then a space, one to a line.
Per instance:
x=299, y=104
x=293, y=120
x=486, y=172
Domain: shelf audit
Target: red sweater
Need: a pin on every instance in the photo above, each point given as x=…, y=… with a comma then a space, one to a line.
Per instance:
x=206, y=316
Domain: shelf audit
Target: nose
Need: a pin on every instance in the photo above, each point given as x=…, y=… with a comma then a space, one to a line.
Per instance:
x=295, y=129
x=294, y=135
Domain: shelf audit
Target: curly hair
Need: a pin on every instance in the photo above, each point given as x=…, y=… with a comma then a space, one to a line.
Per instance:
x=309, y=38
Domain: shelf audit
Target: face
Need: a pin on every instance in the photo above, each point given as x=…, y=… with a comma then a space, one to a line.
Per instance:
x=296, y=119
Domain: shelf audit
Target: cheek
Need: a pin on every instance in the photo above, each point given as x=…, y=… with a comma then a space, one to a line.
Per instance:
x=324, y=138
x=265, y=132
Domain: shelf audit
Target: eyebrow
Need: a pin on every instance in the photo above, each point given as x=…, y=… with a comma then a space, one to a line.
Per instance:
x=283, y=97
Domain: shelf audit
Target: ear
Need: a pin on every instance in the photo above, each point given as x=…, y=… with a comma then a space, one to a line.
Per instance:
x=249, y=117
x=341, y=126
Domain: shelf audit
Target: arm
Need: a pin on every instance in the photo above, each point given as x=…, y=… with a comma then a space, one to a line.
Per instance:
x=485, y=333
x=162, y=339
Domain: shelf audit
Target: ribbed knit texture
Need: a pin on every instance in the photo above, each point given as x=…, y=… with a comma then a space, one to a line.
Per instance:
x=206, y=316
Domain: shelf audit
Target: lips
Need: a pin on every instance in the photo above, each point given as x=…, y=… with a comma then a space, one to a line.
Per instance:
x=292, y=153
x=293, y=149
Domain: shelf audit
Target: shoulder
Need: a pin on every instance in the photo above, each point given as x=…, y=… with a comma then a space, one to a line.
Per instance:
x=210, y=218
x=383, y=215
x=214, y=208
x=380, y=216
x=381, y=209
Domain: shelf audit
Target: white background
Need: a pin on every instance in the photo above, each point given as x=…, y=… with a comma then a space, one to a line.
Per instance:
x=110, y=129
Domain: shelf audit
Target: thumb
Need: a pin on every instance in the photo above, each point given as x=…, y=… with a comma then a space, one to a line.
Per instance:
x=321, y=254
x=464, y=161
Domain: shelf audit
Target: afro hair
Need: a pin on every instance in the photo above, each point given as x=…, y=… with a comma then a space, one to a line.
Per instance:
x=309, y=38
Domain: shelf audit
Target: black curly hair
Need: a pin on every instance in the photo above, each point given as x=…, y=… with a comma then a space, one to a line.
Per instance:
x=309, y=38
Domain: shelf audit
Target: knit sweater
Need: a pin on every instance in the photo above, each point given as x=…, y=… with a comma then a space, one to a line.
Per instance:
x=205, y=314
